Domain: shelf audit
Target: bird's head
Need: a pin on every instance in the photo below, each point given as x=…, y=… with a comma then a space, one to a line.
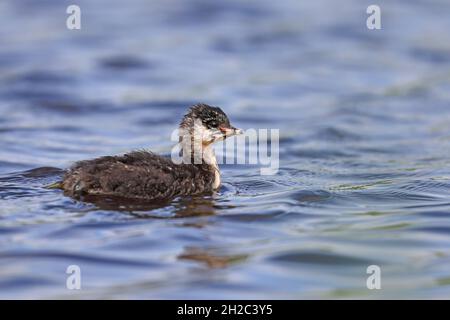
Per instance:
x=207, y=124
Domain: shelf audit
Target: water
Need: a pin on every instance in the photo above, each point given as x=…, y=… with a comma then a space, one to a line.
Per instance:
x=364, y=176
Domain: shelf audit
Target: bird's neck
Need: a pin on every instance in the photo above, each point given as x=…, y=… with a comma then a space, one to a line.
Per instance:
x=194, y=152
x=209, y=157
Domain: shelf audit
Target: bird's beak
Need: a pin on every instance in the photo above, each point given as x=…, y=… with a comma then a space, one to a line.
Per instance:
x=228, y=132
x=238, y=131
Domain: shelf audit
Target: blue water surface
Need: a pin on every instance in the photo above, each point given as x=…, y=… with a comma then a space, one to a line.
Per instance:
x=364, y=120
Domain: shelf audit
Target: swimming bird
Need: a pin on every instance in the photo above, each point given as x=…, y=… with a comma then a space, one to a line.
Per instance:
x=148, y=176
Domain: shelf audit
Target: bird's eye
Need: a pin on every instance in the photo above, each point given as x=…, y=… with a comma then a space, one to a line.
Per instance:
x=212, y=124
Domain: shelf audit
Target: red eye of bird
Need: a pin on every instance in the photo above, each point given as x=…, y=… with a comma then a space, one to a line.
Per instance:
x=223, y=129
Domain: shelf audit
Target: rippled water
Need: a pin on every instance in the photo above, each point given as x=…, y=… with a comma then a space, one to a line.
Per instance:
x=364, y=118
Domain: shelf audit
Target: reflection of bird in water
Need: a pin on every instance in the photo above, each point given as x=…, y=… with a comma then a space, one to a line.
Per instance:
x=212, y=260
x=191, y=206
x=144, y=175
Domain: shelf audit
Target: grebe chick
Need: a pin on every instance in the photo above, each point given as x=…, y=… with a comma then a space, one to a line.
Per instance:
x=145, y=175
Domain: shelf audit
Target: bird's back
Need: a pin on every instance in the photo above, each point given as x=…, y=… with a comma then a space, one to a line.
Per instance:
x=139, y=174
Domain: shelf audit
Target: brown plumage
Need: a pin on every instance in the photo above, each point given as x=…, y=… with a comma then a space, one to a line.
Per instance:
x=145, y=175
x=139, y=174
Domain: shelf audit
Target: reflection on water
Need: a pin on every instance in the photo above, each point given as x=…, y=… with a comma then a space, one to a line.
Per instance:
x=364, y=173
x=210, y=259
